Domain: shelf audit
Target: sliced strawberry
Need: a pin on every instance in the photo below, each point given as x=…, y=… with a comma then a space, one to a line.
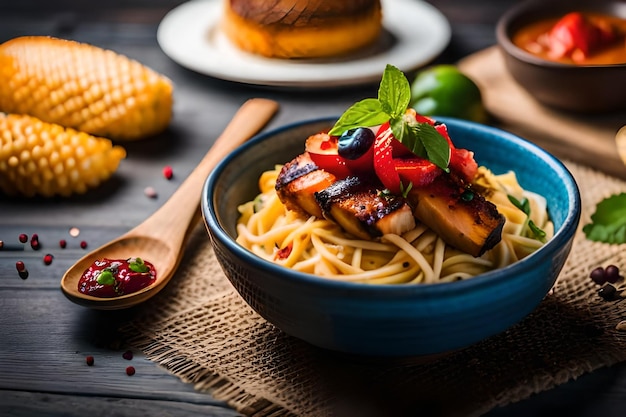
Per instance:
x=383, y=160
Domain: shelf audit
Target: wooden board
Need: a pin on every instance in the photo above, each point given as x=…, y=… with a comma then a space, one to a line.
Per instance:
x=588, y=140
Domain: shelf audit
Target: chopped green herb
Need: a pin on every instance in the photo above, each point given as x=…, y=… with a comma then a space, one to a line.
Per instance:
x=405, y=189
x=537, y=231
x=524, y=206
x=137, y=265
x=608, y=223
x=106, y=278
x=467, y=195
x=394, y=95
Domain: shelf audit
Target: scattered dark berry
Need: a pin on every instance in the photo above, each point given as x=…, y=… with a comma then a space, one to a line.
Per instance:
x=47, y=259
x=612, y=274
x=128, y=355
x=130, y=370
x=83, y=244
x=19, y=265
x=62, y=243
x=598, y=275
x=168, y=172
x=607, y=292
x=89, y=360
x=23, y=274
x=23, y=238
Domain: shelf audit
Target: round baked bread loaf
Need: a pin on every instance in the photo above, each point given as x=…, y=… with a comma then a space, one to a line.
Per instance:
x=302, y=28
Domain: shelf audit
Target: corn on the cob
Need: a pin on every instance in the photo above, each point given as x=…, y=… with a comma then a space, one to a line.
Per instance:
x=48, y=159
x=83, y=86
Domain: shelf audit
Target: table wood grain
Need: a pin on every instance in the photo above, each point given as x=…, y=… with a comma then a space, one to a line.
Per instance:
x=44, y=338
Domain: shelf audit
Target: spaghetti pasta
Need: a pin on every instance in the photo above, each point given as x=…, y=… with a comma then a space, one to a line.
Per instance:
x=319, y=246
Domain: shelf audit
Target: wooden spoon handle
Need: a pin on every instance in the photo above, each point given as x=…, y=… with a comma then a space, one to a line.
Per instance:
x=174, y=218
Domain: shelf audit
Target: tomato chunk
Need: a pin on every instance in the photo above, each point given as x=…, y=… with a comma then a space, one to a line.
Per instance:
x=383, y=160
x=323, y=151
x=463, y=163
x=418, y=171
x=576, y=36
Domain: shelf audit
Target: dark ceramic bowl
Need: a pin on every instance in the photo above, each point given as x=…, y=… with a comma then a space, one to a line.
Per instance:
x=576, y=88
x=391, y=320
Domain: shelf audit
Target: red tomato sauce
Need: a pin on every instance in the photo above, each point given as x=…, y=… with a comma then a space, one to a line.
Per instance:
x=108, y=278
x=579, y=38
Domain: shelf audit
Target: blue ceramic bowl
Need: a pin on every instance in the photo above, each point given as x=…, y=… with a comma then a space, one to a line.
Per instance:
x=386, y=320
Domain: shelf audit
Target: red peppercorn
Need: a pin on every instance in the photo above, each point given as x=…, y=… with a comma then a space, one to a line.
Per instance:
x=128, y=355
x=130, y=370
x=23, y=238
x=47, y=259
x=19, y=265
x=34, y=241
x=89, y=360
x=63, y=243
x=83, y=244
x=168, y=172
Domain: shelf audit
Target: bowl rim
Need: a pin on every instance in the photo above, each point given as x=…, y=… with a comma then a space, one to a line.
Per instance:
x=508, y=18
x=561, y=238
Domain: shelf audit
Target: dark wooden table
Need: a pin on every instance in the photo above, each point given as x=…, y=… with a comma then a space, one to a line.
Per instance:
x=44, y=338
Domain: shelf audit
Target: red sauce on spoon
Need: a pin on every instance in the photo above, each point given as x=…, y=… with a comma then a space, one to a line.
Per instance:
x=108, y=278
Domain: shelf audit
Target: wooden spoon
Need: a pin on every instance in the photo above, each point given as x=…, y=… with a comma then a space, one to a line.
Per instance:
x=160, y=239
x=620, y=141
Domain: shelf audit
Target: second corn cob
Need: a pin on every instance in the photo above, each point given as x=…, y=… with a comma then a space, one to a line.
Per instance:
x=39, y=158
x=84, y=87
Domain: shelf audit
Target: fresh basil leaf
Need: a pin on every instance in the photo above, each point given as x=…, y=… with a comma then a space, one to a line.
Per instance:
x=365, y=113
x=423, y=140
x=608, y=223
x=437, y=147
x=408, y=137
x=394, y=93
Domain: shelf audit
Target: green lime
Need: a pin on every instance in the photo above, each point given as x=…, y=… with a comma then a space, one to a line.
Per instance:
x=443, y=90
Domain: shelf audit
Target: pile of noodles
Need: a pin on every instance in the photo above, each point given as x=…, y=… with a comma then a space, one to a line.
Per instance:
x=319, y=246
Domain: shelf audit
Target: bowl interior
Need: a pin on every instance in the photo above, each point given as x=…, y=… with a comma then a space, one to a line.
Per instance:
x=235, y=180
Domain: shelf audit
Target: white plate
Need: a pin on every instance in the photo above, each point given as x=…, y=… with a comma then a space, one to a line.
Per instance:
x=415, y=33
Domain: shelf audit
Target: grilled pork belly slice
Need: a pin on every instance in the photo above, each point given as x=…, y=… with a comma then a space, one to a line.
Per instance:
x=458, y=213
x=297, y=183
x=360, y=209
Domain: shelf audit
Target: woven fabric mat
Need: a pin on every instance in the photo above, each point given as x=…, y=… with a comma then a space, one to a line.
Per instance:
x=203, y=332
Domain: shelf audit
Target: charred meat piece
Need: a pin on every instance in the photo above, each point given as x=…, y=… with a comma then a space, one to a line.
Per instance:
x=458, y=213
x=360, y=209
x=298, y=182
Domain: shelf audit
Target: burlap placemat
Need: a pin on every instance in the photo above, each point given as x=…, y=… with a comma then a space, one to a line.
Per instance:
x=201, y=331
